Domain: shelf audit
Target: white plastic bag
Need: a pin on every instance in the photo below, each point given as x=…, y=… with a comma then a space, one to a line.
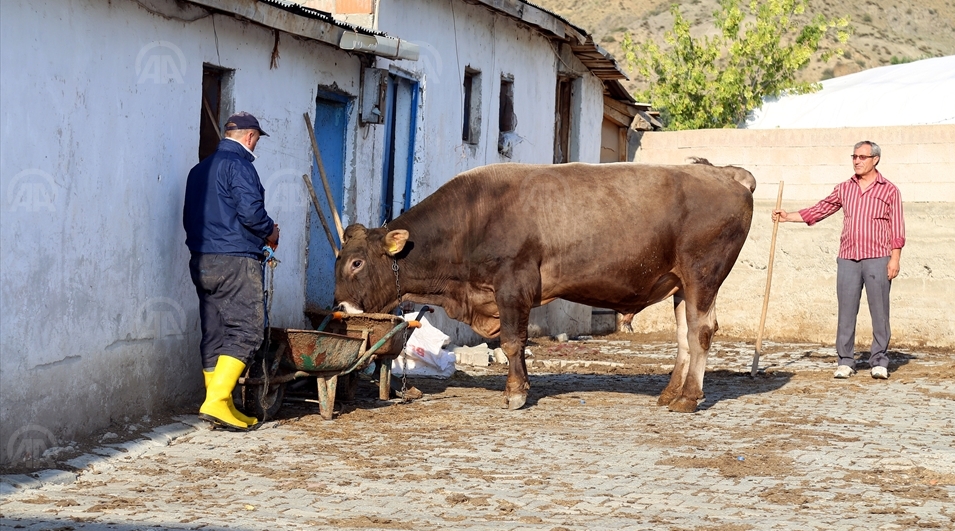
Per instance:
x=423, y=354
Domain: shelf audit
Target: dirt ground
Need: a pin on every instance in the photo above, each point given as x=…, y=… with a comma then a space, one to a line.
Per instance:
x=791, y=448
x=639, y=364
x=567, y=374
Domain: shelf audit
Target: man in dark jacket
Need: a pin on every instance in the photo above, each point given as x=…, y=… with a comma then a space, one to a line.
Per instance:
x=227, y=228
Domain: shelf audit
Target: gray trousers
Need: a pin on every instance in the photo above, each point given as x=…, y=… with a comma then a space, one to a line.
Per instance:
x=231, y=306
x=851, y=276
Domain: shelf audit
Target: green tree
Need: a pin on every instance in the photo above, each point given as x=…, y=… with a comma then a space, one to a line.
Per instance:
x=713, y=82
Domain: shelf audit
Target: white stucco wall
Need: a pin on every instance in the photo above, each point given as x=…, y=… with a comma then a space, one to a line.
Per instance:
x=452, y=36
x=100, y=106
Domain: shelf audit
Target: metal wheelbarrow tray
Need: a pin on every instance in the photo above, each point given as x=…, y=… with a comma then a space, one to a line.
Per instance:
x=343, y=343
x=378, y=326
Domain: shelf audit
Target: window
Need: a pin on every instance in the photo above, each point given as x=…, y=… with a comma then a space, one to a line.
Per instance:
x=507, y=120
x=216, y=106
x=471, y=133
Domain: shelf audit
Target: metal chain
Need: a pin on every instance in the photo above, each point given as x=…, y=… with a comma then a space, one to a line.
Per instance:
x=394, y=267
x=404, y=333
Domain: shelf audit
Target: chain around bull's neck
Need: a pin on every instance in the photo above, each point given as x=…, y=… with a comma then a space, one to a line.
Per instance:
x=394, y=267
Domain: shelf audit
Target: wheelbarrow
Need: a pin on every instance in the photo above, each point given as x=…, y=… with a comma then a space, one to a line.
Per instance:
x=340, y=344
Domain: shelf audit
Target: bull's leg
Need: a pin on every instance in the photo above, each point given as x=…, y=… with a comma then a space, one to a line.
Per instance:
x=625, y=322
x=675, y=387
x=514, y=304
x=701, y=325
x=513, y=339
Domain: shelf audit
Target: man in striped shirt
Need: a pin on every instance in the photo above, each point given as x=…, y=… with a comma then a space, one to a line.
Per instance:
x=873, y=234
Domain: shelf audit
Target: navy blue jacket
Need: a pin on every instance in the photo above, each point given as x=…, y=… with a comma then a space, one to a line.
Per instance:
x=224, y=212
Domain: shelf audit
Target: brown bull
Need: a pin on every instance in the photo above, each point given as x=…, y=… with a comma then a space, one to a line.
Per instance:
x=498, y=240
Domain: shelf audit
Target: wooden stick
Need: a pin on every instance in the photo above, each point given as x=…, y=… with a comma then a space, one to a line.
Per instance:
x=208, y=108
x=769, y=281
x=321, y=217
x=321, y=171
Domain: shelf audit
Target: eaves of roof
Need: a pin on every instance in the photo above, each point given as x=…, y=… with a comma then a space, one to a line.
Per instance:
x=315, y=25
x=599, y=61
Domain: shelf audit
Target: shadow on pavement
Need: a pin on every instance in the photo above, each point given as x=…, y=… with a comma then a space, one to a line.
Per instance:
x=718, y=385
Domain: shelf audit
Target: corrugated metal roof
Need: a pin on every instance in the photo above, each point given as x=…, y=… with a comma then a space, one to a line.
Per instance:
x=596, y=59
x=313, y=24
x=555, y=15
x=308, y=12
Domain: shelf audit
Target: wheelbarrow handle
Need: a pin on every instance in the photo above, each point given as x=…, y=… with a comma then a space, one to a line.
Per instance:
x=421, y=312
x=337, y=315
x=416, y=322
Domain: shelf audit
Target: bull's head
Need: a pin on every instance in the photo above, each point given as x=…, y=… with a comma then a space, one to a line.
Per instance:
x=364, y=278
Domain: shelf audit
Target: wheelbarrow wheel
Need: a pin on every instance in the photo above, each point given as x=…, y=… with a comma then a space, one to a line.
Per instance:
x=264, y=404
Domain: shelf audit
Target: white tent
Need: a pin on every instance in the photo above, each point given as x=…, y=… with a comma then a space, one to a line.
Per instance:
x=917, y=93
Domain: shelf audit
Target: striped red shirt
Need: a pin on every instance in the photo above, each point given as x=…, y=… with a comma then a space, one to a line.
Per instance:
x=873, y=223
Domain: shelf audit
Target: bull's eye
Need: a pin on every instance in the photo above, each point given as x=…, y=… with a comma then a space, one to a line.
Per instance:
x=356, y=264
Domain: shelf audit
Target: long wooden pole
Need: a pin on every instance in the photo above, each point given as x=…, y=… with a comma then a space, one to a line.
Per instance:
x=321, y=171
x=321, y=217
x=769, y=281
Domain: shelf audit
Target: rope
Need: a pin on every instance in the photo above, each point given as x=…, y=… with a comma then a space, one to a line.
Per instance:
x=270, y=263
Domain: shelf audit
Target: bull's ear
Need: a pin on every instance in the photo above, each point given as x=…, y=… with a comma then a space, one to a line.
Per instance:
x=395, y=241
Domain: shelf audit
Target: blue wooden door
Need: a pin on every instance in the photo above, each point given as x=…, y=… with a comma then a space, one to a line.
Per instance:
x=400, y=126
x=331, y=121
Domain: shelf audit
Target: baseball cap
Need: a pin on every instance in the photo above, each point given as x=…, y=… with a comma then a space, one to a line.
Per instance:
x=244, y=120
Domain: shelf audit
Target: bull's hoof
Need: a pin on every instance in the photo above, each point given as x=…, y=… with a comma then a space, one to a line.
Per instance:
x=514, y=401
x=683, y=405
x=667, y=397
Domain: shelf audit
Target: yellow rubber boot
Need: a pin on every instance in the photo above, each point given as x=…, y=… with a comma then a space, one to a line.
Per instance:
x=219, y=394
x=251, y=421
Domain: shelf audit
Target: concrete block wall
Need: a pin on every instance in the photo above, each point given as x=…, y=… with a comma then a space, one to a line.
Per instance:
x=920, y=160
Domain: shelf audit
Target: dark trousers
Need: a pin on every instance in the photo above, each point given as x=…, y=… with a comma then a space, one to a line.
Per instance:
x=851, y=276
x=231, y=306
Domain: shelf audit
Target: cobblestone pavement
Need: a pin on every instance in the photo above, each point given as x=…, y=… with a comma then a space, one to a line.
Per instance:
x=790, y=449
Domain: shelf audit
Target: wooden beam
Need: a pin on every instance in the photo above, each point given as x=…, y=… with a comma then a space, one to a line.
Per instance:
x=618, y=118
x=622, y=144
x=621, y=107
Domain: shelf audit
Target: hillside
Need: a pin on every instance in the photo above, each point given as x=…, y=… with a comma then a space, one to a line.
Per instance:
x=886, y=31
